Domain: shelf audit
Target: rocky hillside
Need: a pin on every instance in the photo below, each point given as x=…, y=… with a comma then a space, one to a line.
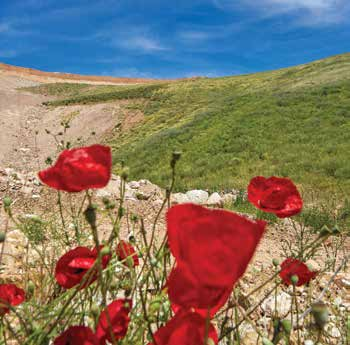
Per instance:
x=290, y=122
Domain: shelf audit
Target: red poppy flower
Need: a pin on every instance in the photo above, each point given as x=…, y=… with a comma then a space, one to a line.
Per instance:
x=275, y=195
x=215, y=245
x=77, y=335
x=185, y=328
x=10, y=295
x=291, y=267
x=125, y=250
x=72, y=267
x=116, y=323
x=187, y=292
x=79, y=169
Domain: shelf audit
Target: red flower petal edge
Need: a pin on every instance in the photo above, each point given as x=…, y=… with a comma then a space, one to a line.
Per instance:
x=79, y=169
x=72, y=267
x=185, y=291
x=118, y=315
x=77, y=335
x=185, y=328
x=275, y=195
x=125, y=250
x=290, y=267
x=215, y=245
x=11, y=295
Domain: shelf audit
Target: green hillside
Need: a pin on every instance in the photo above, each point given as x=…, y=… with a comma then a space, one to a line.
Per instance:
x=291, y=122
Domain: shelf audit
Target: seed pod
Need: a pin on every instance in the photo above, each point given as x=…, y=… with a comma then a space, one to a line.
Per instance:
x=7, y=201
x=320, y=313
x=266, y=341
x=275, y=262
x=90, y=214
x=286, y=326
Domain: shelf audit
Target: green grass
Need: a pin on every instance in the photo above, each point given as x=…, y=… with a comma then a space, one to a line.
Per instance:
x=292, y=122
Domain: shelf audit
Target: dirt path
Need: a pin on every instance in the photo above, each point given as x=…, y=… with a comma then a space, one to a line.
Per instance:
x=24, y=142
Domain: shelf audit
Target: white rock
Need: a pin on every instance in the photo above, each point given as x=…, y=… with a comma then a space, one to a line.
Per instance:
x=284, y=303
x=134, y=184
x=308, y=342
x=215, y=200
x=198, y=196
x=112, y=189
x=345, y=282
x=179, y=198
x=334, y=332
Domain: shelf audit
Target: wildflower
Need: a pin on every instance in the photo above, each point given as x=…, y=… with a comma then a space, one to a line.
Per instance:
x=185, y=291
x=275, y=195
x=77, y=335
x=114, y=321
x=10, y=295
x=79, y=169
x=186, y=328
x=216, y=245
x=293, y=267
x=125, y=251
x=72, y=267
x=212, y=249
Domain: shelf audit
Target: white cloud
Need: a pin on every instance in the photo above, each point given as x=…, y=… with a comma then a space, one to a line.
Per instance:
x=142, y=43
x=306, y=12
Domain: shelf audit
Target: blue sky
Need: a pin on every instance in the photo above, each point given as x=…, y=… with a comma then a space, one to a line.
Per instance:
x=170, y=39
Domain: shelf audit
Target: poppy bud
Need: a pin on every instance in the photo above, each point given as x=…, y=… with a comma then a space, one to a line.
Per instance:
x=176, y=156
x=95, y=311
x=7, y=201
x=286, y=326
x=48, y=161
x=121, y=212
x=294, y=279
x=275, y=262
x=30, y=288
x=266, y=341
x=125, y=173
x=154, y=262
x=325, y=231
x=90, y=214
x=134, y=218
x=2, y=237
x=105, y=201
x=335, y=231
x=155, y=306
x=105, y=251
x=320, y=313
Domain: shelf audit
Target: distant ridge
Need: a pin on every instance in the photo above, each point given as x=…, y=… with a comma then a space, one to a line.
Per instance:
x=46, y=77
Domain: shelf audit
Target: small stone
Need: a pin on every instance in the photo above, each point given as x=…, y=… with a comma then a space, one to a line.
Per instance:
x=334, y=332
x=215, y=200
x=284, y=303
x=179, y=198
x=197, y=196
x=308, y=342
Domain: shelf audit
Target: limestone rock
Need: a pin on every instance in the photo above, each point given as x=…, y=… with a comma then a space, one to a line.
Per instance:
x=197, y=196
x=284, y=302
x=179, y=198
x=215, y=200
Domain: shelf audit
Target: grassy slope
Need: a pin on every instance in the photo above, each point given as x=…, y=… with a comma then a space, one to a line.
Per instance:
x=292, y=122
